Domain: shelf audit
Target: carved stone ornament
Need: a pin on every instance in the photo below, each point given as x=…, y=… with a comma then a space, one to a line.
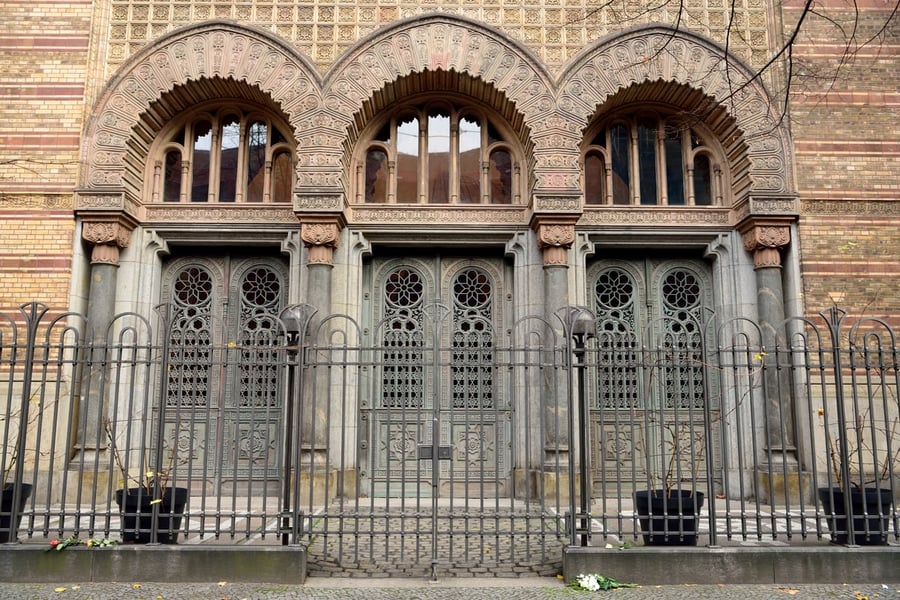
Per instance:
x=320, y=238
x=556, y=235
x=765, y=242
x=637, y=56
x=212, y=49
x=107, y=237
x=555, y=239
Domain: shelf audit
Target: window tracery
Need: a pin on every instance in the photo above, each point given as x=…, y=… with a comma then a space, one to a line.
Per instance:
x=438, y=153
x=228, y=155
x=652, y=160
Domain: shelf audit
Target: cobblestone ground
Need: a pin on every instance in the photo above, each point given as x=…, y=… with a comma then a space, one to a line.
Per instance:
x=502, y=544
x=476, y=589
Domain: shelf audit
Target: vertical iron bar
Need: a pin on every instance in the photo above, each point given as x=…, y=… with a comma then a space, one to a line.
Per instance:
x=834, y=319
x=33, y=312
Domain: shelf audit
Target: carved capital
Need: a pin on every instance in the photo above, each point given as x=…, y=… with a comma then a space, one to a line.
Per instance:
x=764, y=241
x=107, y=238
x=321, y=238
x=555, y=237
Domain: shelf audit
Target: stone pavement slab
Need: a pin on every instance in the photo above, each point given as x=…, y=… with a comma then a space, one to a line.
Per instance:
x=450, y=589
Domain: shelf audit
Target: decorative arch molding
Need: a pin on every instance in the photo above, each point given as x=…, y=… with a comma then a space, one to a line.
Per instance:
x=190, y=56
x=660, y=54
x=438, y=43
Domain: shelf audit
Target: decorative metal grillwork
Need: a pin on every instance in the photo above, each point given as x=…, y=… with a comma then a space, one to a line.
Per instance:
x=472, y=370
x=682, y=340
x=402, y=381
x=260, y=301
x=190, y=338
x=846, y=404
x=614, y=301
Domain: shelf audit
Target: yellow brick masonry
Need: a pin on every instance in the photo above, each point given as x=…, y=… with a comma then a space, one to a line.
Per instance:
x=35, y=258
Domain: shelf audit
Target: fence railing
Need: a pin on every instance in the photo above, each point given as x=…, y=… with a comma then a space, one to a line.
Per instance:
x=400, y=440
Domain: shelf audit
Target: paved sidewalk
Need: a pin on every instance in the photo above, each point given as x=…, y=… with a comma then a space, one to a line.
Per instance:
x=451, y=589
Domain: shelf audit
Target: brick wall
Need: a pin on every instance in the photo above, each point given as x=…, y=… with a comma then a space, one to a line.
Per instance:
x=43, y=57
x=847, y=144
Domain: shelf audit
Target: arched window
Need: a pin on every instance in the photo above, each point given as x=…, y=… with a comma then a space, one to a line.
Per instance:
x=229, y=155
x=437, y=153
x=651, y=160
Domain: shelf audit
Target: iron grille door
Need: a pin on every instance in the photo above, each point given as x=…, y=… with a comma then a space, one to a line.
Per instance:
x=652, y=382
x=224, y=396
x=436, y=403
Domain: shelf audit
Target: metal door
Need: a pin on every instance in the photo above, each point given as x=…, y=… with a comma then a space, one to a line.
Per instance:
x=653, y=386
x=223, y=397
x=438, y=420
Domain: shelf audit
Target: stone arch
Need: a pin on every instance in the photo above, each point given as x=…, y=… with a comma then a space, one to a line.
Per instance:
x=208, y=59
x=483, y=58
x=759, y=147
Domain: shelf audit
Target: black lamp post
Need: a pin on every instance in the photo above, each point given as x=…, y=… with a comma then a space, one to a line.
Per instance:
x=295, y=319
x=581, y=326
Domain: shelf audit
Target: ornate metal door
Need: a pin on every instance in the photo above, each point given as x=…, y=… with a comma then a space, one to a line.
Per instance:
x=223, y=397
x=436, y=401
x=653, y=384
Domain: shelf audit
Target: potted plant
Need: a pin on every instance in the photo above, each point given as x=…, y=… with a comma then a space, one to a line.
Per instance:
x=669, y=514
x=14, y=493
x=862, y=457
x=148, y=500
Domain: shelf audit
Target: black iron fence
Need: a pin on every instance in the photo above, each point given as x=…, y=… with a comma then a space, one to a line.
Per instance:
x=419, y=446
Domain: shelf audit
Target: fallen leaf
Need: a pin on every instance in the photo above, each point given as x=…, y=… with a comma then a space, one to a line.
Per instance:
x=790, y=591
x=60, y=589
x=223, y=583
x=136, y=586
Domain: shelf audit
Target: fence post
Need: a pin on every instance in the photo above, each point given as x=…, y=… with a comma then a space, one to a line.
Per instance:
x=834, y=318
x=295, y=319
x=33, y=313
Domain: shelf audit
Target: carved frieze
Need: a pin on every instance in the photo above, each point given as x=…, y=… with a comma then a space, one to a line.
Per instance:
x=636, y=215
x=543, y=203
x=210, y=50
x=213, y=213
x=43, y=201
x=871, y=208
x=407, y=214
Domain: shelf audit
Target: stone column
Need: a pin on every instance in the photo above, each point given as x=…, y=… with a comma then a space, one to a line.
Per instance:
x=555, y=237
x=765, y=240
x=320, y=236
x=107, y=237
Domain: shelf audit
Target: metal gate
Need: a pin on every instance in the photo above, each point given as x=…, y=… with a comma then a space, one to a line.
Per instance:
x=406, y=438
x=436, y=420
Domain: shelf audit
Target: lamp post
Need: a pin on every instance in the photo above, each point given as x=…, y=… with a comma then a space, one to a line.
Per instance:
x=580, y=327
x=295, y=320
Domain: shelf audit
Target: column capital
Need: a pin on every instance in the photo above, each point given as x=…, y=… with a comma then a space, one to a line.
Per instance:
x=764, y=239
x=320, y=235
x=555, y=235
x=108, y=236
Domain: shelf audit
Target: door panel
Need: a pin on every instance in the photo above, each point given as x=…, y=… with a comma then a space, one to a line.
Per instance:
x=652, y=386
x=224, y=397
x=435, y=392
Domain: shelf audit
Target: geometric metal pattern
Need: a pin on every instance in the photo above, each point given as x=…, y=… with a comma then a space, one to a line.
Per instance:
x=231, y=304
x=426, y=389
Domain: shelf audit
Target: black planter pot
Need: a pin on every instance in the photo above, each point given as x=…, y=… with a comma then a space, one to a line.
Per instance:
x=6, y=506
x=668, y=519
x=869, y=508
x=137, y=518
